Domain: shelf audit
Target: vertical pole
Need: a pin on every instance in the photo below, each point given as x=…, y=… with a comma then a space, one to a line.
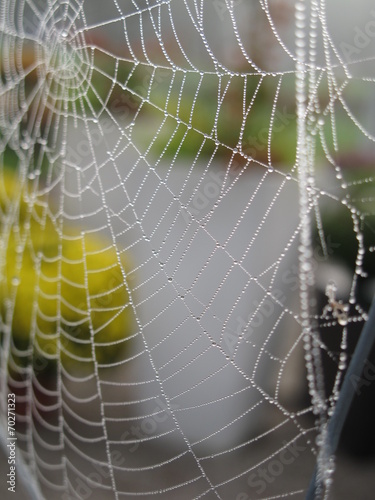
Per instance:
x=348, y=389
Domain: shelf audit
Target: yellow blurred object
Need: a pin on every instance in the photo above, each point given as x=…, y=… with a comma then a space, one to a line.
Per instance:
x=64, y=292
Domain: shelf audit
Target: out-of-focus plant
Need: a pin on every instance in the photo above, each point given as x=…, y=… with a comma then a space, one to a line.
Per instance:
x=64, y=293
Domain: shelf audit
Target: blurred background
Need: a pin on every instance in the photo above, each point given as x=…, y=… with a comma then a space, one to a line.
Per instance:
x=166, y=120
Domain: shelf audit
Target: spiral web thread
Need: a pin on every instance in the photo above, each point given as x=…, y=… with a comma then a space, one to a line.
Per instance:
x=170, y=171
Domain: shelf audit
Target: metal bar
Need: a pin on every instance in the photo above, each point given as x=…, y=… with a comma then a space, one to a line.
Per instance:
x=349, y=387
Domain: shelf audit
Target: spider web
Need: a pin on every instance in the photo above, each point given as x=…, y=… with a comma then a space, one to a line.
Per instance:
x=187, y=213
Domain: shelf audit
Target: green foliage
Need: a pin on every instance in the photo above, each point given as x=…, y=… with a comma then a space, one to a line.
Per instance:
x=205, y=116
x=62, y=291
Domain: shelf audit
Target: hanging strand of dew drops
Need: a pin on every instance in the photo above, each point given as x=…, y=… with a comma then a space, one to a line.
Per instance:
x=306, y=276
